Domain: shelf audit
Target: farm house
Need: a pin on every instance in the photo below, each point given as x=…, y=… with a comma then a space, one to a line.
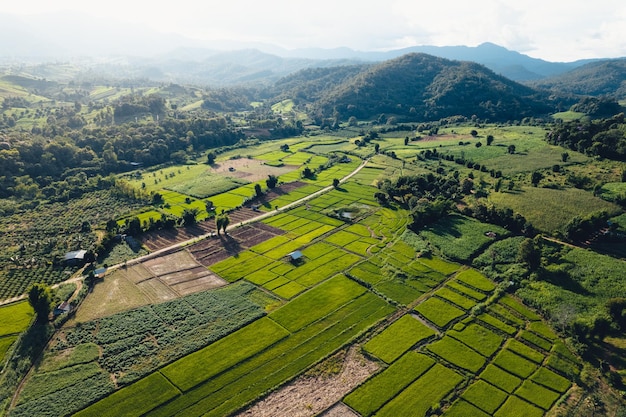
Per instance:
x=75, y=258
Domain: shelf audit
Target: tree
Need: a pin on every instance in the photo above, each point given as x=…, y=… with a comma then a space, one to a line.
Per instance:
x=307, y=173
x=406, y=140
x=335, y=183
x=189, y=216
x=284, y=147
x=479, y=144
x=221, y=222
x=210, y=158
x=474, y=133
x=376, y=147
x=511, y=149
x=257, y=190
x=529, y=254
x=271, y=181
x=617, y=310
x=564, y=156
x=535, y=177
x=489, y=140
x=40, y=298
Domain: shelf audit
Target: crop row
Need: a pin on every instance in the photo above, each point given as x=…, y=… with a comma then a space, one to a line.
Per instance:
x=134, y=343
x=229, y=390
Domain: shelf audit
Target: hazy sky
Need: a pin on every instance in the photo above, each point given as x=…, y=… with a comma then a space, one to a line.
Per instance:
x=554, y=30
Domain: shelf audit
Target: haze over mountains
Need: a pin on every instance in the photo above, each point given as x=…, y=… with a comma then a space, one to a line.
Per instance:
x=74, y=35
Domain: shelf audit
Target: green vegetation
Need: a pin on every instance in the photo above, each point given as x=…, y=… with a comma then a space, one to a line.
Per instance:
x=369, y=397
x=457, y=354
x=439, y=312
x=461, y=238
x=84, y=164
x=398, y=338
x=206, y=363
x=484, y=396
x=422, y=394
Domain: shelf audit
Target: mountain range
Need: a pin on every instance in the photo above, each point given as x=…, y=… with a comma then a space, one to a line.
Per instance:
x=140, y=51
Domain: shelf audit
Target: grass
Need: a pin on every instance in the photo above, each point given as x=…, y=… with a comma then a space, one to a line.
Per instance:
x=456, y=298
x=479, y=338
x=477, y=295
x=438, y=311
x=476, y=280
x=516, y=407
x=459, y=237
x=551, y=380
x=422, y=394
x=591, y=280
x=524, y=350
x=514, y=363
x=462, y=408
x=457, y=354
x=5, y=344
x=500, y=378
x=241, y=384
x=221, y=355
x=549, y=210
x=398, y=338
x=136, y=399
x=83, y=353
x=42, y=384
x=498, y=324
x=484, y=396
x=537, y=394
x=317, y=303
x=378, y=390
x=15, y=317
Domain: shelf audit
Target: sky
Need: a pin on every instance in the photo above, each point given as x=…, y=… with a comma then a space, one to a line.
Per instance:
x=554, y=30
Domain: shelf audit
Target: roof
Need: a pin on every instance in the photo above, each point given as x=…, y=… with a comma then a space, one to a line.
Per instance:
x=77, y=254
x=295, y=255
x=99, y=271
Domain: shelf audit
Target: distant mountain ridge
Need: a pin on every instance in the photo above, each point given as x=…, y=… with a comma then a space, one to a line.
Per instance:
x=511, y=64
x=164, y=55
x=414, y=87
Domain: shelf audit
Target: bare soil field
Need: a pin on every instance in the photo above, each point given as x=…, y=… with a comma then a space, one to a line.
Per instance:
x=156, y=280
x=161, y=239
x=212, y=250
x=249, y=169
x=174, y=262
x=339, y=410
x=317, y=390
x=113, y=294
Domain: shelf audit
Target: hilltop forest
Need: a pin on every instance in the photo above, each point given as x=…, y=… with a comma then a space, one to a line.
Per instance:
x=459, y=234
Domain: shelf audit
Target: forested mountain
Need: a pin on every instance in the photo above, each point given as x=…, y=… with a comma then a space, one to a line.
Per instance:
x=418, y=87
x=511, y=64
x=606, y=77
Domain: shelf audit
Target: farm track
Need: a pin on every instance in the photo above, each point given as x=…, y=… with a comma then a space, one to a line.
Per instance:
x=244, y=218
x=209, y=227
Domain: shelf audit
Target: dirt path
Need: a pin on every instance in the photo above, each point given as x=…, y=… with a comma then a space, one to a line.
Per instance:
x=316, y=391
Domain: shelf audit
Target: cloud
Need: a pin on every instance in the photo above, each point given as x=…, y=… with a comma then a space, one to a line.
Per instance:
x=554, y=30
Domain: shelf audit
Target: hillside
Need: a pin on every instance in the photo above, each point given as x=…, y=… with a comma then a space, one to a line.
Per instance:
x=420, y=87
x=597, y=78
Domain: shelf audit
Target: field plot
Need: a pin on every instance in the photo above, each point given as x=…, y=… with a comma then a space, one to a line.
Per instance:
x=550, y=210
x=419, y=397
x=132, y=344
x=484, y=396
x=460, y=237
x=14, y=319
x=398, y=338
x=371, y=396
x=439, y=312
x=239, y=384
x=457, y=354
